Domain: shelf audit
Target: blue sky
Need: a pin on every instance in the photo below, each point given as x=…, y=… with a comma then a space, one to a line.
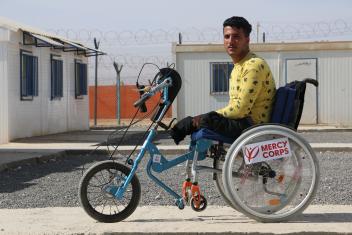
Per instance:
x=153, y=14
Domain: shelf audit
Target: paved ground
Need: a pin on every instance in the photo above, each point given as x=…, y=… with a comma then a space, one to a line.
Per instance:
x=169, y=220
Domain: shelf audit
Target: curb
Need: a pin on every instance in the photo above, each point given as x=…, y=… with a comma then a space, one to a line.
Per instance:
x=313, y=128
x=330, y=129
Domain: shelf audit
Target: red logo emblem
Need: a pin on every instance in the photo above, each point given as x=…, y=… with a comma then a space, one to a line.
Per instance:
x=251, y=153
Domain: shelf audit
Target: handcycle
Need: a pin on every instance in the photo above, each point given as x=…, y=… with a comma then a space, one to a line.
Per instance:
x=269, y=173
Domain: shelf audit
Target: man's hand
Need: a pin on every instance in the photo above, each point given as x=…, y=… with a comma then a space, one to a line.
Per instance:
x=196, y=121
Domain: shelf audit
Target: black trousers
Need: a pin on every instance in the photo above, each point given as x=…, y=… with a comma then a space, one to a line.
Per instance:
x=231, y=128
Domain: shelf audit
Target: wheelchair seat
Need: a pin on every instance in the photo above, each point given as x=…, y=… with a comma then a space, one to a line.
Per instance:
x=210, y=135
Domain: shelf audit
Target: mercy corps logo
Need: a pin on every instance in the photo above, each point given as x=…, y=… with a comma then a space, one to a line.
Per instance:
x=251, y=153
x=266, y=150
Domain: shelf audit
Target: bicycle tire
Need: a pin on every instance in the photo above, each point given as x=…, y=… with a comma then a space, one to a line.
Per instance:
x=87, y=204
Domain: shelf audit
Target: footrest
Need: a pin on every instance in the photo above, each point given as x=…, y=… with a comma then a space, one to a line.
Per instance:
x=211, y=135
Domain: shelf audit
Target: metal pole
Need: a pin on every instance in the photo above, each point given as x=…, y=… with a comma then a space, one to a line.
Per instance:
x=258, y=25
x=263, y=37
x=118, y=100
x=96, y=45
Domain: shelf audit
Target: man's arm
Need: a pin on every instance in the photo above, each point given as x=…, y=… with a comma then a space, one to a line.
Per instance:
x=241, y=105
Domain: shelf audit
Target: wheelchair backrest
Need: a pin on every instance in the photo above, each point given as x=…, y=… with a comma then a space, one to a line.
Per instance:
x=289, y=101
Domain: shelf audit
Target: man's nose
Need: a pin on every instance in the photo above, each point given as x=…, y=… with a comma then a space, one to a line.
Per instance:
x=232, y=39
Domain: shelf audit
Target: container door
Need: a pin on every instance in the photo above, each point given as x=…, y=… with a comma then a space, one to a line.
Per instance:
x=299, y=69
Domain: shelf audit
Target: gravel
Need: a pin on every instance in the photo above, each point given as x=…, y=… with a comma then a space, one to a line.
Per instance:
x=54, y=183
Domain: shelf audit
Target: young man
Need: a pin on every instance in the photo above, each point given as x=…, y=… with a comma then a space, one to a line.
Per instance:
x=251, y=89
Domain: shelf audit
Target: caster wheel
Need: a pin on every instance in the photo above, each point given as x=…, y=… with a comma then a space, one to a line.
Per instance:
x=202, y=205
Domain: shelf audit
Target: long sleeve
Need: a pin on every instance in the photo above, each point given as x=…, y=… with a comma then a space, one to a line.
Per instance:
x=243, y=97
x=251, y=91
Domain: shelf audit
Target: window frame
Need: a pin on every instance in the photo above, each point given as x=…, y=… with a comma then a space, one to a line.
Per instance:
x=27, y=95
x=56, y=82
x=80, y=90
x=226, y=78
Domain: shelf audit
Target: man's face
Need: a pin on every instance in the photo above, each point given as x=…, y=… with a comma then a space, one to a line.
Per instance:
x=235, y=42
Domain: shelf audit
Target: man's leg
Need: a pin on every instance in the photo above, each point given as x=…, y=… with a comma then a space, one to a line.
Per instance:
x=182, y=129
x=186, y=126
x=231, y=128
x=213, y=121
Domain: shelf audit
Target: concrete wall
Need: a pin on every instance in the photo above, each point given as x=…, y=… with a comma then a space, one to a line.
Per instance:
x=335, y=97
x=41, y=115
x=107, y=102
x=3, y=94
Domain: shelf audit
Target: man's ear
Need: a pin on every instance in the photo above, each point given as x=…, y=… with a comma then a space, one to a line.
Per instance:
x=248, y=39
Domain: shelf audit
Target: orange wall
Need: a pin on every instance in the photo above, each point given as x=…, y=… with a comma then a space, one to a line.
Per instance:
x=107, y=102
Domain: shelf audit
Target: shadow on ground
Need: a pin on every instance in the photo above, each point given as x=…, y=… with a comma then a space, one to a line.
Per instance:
x=26, y=175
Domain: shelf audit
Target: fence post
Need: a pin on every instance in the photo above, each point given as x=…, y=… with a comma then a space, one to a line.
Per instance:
x=96, y=45
x=258, y=26
x=118, y=81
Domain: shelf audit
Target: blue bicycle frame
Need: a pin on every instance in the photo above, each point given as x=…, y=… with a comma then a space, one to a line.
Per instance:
x=158, y=162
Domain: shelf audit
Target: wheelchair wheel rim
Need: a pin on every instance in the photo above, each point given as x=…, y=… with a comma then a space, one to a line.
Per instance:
x=272, y=211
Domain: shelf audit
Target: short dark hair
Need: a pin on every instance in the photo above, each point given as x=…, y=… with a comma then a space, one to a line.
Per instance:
x=240, y=23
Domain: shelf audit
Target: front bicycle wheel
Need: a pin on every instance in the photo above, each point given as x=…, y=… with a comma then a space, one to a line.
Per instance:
x=278, y=183
x=96, y=192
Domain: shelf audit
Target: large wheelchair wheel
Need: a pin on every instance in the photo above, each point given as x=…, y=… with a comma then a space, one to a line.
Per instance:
x=279, y=178
x=97, y=187
x=218, y=182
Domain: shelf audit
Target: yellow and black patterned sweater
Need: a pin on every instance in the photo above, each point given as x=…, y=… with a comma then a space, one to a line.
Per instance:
x=252, y=90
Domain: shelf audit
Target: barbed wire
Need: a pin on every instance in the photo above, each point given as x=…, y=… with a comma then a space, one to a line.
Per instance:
x=297, y=31
x=273, y=31
x=130, y=61
x=134, y=48
x=132, y=64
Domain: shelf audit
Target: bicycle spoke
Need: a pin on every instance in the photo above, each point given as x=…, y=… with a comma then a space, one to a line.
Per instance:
x=103, y=207
x=99, y=180
x=99, y=203
x=95, y=186
x=100, y=195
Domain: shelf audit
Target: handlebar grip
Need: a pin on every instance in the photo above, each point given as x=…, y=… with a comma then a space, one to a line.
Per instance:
x=311, y=81
x=141, y=103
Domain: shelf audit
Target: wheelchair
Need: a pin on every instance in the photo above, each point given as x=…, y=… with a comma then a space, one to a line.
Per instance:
x=269, y=173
